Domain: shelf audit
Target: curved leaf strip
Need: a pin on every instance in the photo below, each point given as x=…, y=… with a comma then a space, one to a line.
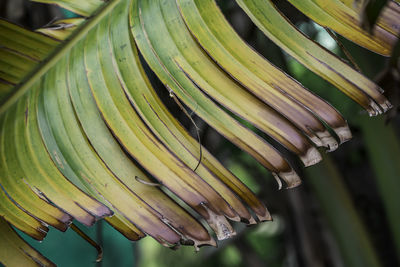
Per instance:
x=14, y=251
x=193, y=66
x=110, y=151
x=11, y=212
x=112, y=154
x=204, y=107
x=21, y=220
x=44, y=178
x=57, y=123
x=262, y=213
x=271, y=85
x=85, y=162
x=139, y=142
x=167, y=128
x=85, y=8
x=126, y=228
x=14, y=184
x=24, y=42
x=278, y=28
x=59, y=158
x=17, y=56
x=346, y=22
x=389, y=18
x=151, y=109
x=81, y=93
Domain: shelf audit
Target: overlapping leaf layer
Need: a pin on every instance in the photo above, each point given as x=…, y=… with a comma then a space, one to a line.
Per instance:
x=85, y=136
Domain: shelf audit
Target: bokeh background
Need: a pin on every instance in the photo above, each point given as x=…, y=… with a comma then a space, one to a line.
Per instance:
x=347, y=208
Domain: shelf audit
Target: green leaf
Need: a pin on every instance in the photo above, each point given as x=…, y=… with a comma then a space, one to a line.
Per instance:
x=84, y=136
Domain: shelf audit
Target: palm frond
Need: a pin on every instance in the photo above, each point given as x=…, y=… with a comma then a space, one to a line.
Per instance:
x=279, y=29
x=85, y=136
